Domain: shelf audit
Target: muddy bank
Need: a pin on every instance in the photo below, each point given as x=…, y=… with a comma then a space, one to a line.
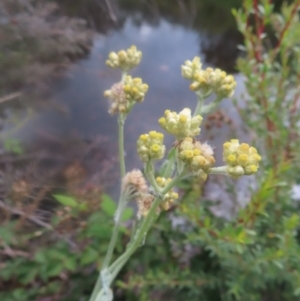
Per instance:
x=36, y=43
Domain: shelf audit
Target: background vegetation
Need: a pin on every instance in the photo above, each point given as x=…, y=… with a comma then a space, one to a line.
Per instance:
x=51, y=244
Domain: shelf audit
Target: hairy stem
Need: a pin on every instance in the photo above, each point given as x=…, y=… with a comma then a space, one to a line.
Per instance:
x=141, y=232
x=121, y=122
x=149, y=172
x=113, y=240
x=199, y=104
x=221, y=170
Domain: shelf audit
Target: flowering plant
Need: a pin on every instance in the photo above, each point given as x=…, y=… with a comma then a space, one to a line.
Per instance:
x=188, y=158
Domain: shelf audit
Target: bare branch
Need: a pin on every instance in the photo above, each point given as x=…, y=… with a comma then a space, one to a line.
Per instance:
x=10, y=97
x=38, y=222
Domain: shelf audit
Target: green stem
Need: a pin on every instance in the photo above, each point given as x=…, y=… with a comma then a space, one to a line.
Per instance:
x=113, y=240
x=149, y=172
x=121, y=261
x=115, y=268
x=169, y=167
x=112, y=243
x=199, y=104
x=202, y=109
x=221, y=170
x=121, y=204
x=121, y=121
x=96, y=290
x=124, y=74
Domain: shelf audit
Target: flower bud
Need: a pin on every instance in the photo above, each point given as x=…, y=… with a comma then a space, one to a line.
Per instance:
x=135, y=89
x=224, y=86
x=150, y=146
x=181, y=125
x=125, y=60
x=124, y=95
x=144, y=205
x=235, y=171
x=208, y=80
x=170, y=196
x=240, y=158
x=118, y=101
x=189, y=68
x=199, y=157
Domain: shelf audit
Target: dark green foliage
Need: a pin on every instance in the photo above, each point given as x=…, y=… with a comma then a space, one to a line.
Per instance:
x=253, y=257
x=37, y=265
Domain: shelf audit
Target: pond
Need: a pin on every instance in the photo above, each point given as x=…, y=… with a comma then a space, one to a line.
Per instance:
x=165, y=45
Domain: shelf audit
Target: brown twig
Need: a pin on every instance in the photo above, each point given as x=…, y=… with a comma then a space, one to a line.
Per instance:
x=286, y=26
x=36, y=221
x=32, y=207
x=8, y=251
x=31, y=218
x=10, y=97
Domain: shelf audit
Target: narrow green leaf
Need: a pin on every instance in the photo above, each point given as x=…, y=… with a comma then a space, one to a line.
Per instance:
x=66, y=200
x=108, y=205
x=55, y=269
x=239, y=248
x=278, y=264
x=127, y=214
x=88, y=256
x=70, y=263
x=297, y=291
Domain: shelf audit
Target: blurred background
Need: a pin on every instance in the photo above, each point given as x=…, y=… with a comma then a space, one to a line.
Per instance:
x=58, y=142
x=54, y=74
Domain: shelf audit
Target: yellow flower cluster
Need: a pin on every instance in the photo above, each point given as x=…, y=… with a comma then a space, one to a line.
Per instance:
x=150, y=146
x=124, y=95
x=191, y=68
x=124, y=59
x=241, y=159
x=199, y=157
x=208, y=80
x=170, y=196
x=182, y=124
x=134, y=89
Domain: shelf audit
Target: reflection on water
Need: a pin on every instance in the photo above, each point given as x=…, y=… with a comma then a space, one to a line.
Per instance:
x=165, y=45
x=212, y=15
x=165, y=48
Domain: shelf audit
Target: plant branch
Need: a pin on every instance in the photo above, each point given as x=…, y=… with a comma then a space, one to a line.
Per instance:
x=121, y=261
x=36, y=221
x=285, y=28
x=113, y=240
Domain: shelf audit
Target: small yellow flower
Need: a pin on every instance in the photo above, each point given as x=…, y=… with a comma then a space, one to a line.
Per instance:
x=181, y=125
x=118, y=101
x=170, y=196
x=144, y=205
x=150, y=146
x=240, y=158
x=124, y=95
x=124, y=59
x=199, y=157
x=134, y=89
x=208, y=80
x=190, y=68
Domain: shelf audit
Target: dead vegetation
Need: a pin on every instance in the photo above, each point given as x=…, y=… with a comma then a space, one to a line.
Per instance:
x=36, y=42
